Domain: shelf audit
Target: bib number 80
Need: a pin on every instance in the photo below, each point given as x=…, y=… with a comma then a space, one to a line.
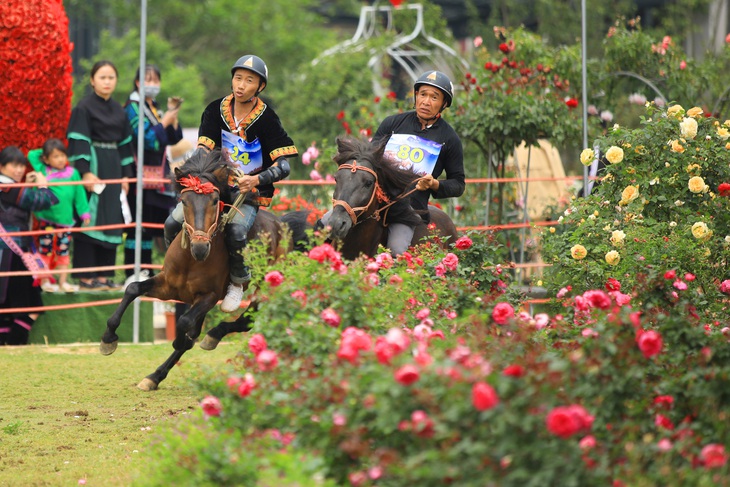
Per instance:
x=413, y=154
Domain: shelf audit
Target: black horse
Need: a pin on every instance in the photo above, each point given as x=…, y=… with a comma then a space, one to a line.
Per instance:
x=195, y=270
x=370, y=193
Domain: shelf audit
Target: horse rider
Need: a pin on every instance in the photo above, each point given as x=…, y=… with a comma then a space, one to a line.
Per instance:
x=250, y=134
x=422, y=140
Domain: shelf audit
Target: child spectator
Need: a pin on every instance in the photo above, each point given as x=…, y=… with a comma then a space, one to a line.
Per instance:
x=52, y=162
x=15, y=207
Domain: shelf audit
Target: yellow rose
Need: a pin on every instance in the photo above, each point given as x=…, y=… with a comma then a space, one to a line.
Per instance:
x=693, y=167
x=723, y=133
x=612, y=257
x=629, y=194
x=578, y=252
x=675, y=111
x=614, y=154
x=677, y=147
x=694, y=112
x=587, y=156
x=688, y=128
x=697, y=184
x=617, y=238
x=700, y=231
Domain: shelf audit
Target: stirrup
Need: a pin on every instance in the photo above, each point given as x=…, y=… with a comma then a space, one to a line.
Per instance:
x=233, y=298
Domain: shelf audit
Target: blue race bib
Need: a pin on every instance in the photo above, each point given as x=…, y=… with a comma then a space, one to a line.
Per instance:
x=411, y=151
x=246, y=156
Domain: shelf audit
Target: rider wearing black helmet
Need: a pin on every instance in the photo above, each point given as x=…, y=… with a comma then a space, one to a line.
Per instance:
x=421, y=139
x=243, y=119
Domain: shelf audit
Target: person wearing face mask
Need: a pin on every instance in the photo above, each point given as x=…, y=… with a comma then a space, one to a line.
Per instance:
x=161, y=128
x=100, y=148
x=250, y=133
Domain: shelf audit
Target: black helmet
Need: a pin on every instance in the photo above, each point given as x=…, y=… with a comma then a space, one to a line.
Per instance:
x=252, y=63
x=438, y=80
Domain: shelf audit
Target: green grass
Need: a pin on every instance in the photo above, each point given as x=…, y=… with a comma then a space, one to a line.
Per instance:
x=68, y=413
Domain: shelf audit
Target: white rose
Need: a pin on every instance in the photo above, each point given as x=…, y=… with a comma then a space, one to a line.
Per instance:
x=688, y=128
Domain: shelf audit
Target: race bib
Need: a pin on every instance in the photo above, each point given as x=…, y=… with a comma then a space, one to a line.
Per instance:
x=246, y=156
x=411, y=151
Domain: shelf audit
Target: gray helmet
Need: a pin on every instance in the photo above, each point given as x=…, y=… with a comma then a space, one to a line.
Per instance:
x=438, y=80
x=252, y=63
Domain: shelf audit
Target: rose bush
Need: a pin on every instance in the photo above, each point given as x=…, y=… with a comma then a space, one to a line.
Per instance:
x=660, y=204
x=428, y=380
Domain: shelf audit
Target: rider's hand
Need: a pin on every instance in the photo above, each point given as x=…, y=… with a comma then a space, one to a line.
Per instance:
x=427, y=182
x=247, y=183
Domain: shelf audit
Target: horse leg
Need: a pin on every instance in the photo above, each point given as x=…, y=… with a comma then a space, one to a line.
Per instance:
x=109, y=340
x=216, y=334
x=187, y=330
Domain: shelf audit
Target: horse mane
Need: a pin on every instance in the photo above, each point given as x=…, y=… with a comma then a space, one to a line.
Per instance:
x=205, y=165
x=393, y=179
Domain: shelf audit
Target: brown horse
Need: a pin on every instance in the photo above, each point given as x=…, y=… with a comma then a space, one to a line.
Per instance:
x=197, y=275
x=370, y=193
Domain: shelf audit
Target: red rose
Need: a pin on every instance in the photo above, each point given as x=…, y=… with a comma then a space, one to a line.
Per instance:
x=650, y=343
x=565, y=421
x=613, y=284
x=463, y=243
x=504, y=47
x=571, y=102
x=407, y=375
x=514, y=371
x=724, y=189
x=483, y=396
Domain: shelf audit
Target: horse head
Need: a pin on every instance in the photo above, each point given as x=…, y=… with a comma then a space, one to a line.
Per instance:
x=203, y=186
x=365, y=182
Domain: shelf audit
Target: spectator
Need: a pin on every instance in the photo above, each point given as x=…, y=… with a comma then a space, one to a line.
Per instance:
x=52, y=162
x=160, y=130
x=15, y=207
x=99, y=138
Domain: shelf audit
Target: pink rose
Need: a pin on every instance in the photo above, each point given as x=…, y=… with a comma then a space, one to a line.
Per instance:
x=483, y=396
x=650, y=343
x=422, y=425
x=331, y=317
x=587, y=442
x=463, y=243
x=502, y=312
x=451, y=261
x=211, y=406
x=713, y=456
x=247, y=385
x=395, y=279
x=267, y=360
x=725, y=285
x=257, y=343
x=407, y=375
x=597, y=299
x=274, y=278
x=440, y=270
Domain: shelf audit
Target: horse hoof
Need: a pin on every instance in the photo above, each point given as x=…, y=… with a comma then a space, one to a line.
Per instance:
x=209, y=343
x=147, y=385
x=108, y=348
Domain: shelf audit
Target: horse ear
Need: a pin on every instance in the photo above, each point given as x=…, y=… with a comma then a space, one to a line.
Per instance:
x=178, y=173
x=380, y=148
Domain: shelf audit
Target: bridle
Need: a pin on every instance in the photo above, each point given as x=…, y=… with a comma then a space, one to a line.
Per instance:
x=378, y=193
x=193, y=183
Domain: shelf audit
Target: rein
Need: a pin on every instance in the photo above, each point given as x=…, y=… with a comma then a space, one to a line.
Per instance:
x=193, y=183
x=377, y=193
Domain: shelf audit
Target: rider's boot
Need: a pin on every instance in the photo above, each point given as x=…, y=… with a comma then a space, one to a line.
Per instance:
x=172, y=228
x=239, y=272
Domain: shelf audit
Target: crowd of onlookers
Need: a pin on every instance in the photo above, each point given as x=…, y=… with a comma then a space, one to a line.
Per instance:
x=102, y=141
